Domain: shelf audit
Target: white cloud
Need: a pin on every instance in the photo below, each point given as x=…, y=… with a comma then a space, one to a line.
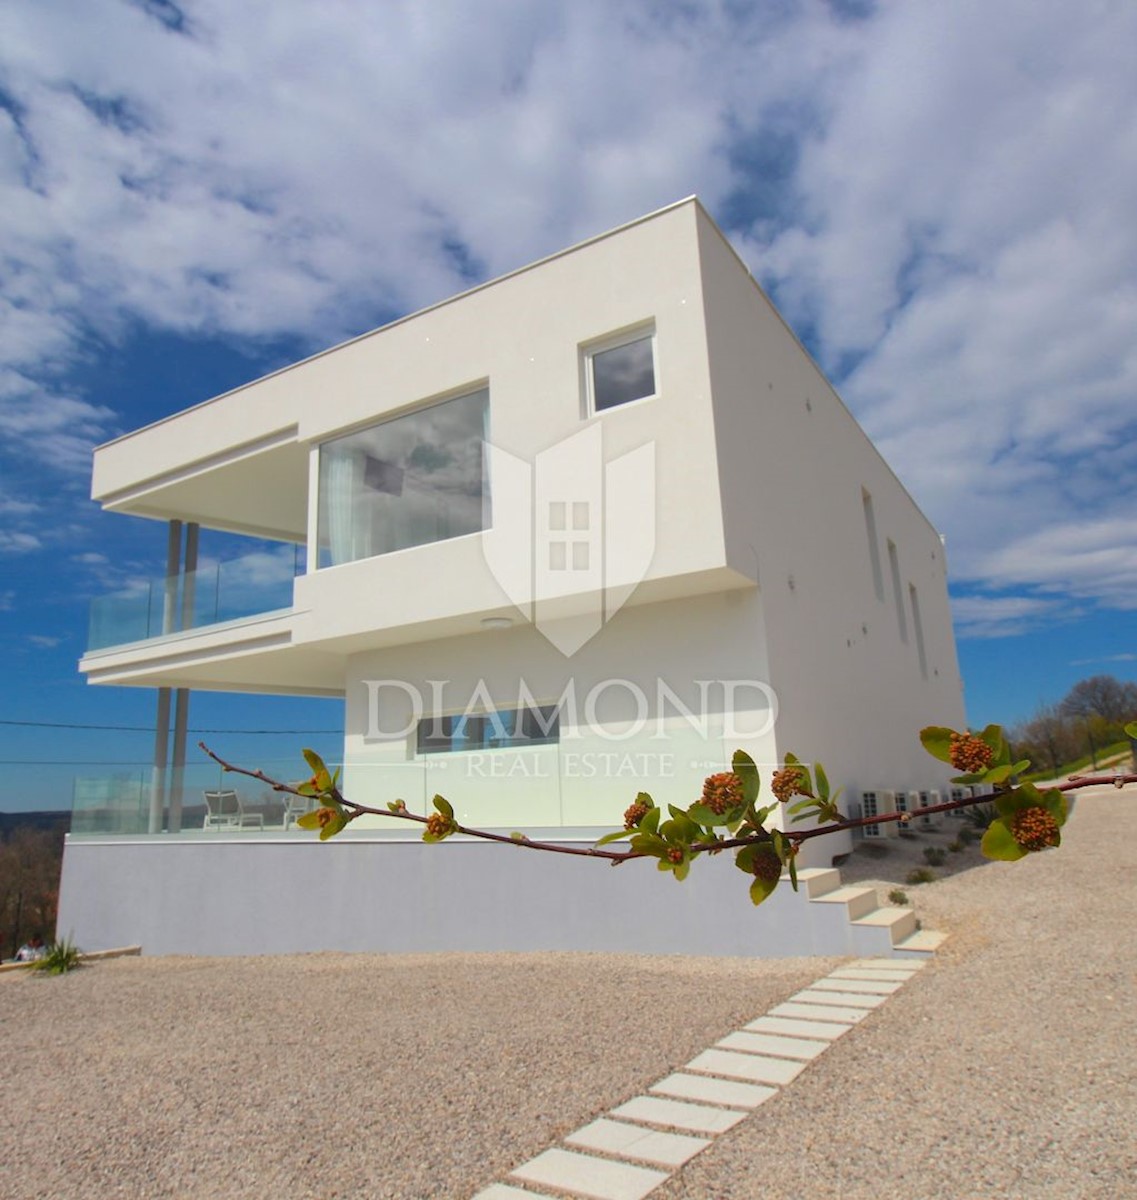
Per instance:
x=16, y=542
x=43, y=641
x=1003, y=616
x=940, y=196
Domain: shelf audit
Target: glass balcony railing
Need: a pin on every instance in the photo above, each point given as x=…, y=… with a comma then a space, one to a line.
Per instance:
x=199, y=798
x=223, y=591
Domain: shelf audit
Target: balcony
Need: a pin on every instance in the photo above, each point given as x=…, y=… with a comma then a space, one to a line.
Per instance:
x=252, y=585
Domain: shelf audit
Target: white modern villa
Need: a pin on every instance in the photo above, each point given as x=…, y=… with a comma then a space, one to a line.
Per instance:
x=579, y=532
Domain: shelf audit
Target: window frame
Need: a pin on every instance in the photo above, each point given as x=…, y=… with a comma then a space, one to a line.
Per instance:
x=439, y=400
x=644, y=331
x=507, y=719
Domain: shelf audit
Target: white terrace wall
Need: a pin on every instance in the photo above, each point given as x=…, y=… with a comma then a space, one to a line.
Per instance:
x=212, y=895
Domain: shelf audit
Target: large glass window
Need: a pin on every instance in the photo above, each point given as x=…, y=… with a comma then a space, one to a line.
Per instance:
x=621, y=373
x=497, y=730
x=411, y=480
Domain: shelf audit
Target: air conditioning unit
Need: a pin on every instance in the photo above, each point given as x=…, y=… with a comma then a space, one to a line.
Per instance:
x=903, y=802
x=929, y=800
x=878, y=803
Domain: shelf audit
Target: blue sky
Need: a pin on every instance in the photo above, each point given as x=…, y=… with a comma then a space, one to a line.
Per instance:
x=939, y=198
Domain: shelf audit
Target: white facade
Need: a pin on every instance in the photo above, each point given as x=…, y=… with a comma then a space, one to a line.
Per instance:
x=747, y=554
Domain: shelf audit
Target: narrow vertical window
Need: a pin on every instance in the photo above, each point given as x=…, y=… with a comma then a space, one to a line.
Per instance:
x=897, y=591
x=874, y=545
x=918, y=626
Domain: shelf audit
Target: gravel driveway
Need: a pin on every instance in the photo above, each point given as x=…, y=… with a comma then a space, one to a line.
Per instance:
x=1007, y=1068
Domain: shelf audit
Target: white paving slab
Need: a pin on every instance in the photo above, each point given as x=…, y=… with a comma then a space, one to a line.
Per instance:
x=863, y=987
x=827, y=1012
x=714, y=1091
x=595, y=1178
x=804, y=1049
x=502, y=1191
x=679, y=1114
x=754, y=1067
x=740, y=1072
x=878, y=974
x=896, y=964
x=815, y=995
x=796, y=1027
x=634, y=1141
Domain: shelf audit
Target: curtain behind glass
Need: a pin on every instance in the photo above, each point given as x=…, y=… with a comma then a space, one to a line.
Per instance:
x=406, y=482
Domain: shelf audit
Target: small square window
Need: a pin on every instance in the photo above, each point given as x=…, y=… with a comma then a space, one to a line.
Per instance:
x=623, y=373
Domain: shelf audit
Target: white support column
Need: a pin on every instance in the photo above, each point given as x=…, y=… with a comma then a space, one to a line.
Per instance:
x=182, y=695
x=162, y=717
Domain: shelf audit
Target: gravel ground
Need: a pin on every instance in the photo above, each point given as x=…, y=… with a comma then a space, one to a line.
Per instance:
x=1006, y=1068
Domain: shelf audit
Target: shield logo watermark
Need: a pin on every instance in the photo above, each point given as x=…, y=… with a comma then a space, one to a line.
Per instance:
x=572, y=535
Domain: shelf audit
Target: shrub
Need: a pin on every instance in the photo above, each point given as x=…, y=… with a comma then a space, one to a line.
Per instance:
x=897, y=896
x=59, y=958
x=934, y=856
x=956, y=846
x=967, y=835
x=980, y=816
x=920, y=875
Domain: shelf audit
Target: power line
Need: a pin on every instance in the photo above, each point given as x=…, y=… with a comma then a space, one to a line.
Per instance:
x=79, y=762
x=150, y=728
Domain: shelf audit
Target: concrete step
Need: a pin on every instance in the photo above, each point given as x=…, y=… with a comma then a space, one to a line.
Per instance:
x=880, y=931
x=817, y=881
x=858, y=901
x=920, y=944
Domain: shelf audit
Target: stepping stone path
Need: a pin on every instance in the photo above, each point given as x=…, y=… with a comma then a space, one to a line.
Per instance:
x=627, y=1153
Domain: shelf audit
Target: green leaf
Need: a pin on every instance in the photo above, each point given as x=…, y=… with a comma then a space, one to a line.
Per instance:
x=444, y=807
x=309, y=820
x=648, y=843
x=792, y=864
x=997, y=774
x=334, y=826
x=1021, y=766
x=314, y=761
x=744, y=859
x=1054, y=802
x=707, y=816
x=761, y=888
x=937, y=741
x=999, y=843
x=743, y=766
x=822, y=781
x=1131, y=729
x=615, y=837
x=517, y=836
x=650, y=822
x=993, y=736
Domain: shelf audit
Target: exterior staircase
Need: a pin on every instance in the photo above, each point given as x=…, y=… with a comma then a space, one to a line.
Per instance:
x=871, y=931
